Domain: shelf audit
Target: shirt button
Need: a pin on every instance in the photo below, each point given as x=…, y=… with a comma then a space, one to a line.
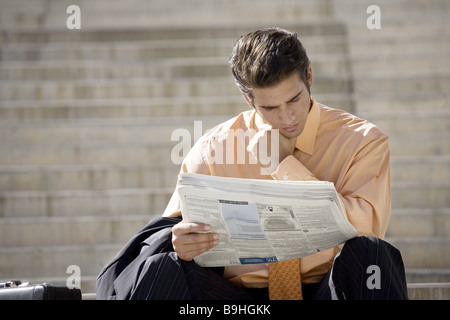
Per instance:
x=285, y=177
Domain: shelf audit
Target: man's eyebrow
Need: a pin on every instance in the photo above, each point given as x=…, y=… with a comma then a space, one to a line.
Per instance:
x=295, y=97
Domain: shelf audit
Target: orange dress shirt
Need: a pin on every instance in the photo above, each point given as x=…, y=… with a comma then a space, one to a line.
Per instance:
x=334, y=146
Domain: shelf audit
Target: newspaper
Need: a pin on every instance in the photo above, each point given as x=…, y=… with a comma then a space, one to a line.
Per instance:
x=263, y=221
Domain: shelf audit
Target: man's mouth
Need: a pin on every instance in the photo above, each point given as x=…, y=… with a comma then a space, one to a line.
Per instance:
x=291, y=128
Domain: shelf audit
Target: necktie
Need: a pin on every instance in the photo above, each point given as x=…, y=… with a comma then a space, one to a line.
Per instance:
x=284, y=280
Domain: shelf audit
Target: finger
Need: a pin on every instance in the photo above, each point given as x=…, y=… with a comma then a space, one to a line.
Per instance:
x=193, y=238
x=189, y=246
x=191, y=250
x=184, y=227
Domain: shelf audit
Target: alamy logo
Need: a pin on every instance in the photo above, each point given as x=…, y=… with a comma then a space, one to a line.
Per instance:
x=74, y=280
x=235, y=147
x=374, y=20
x=374, y=280
x=74, y=20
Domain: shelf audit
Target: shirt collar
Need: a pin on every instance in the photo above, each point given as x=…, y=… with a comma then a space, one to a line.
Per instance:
x=305, y=141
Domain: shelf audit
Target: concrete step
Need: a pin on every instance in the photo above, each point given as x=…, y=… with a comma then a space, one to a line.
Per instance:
x=51, y=261
x=24, y=17
x=87, y=153
x=429, y=291
x=395, y=8
x=419, y=223
x=147, y=152
x=69, y=231
x=165, y=68
x=416, y=291
x=326, y=27
x=424, y=278
x=125, y=108
x=97, y=177
x=420, y=121
x=432, y=275
x=393, y=46
x=142, y=88
x=76, y=203
x=399, y=121
x=423, y=252
x=114, y=14
x=400, y=64
x=140, y=108
x=420, y=169
x=128, y=51
x=74, y=70
x=145, y=51
x=113, y=130
x=411, y=195
x=402, y=84
x=154, y=129
x=420, y=145
x=90, y=177
x=420, y=24
x=371, y=104
x=61, y=229
x=152, y=201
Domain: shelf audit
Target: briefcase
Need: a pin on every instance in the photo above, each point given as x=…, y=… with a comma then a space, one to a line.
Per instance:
x=15, y=290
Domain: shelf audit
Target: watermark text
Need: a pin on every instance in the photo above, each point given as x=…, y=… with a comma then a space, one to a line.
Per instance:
x=74, y=20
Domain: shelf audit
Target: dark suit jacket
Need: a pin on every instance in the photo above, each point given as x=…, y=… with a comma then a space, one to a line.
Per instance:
x=118, y=277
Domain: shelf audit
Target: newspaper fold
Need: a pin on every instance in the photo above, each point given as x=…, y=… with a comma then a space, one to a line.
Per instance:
x=263, y=221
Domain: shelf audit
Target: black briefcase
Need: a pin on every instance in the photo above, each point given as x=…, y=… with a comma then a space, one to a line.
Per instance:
x=14, y=290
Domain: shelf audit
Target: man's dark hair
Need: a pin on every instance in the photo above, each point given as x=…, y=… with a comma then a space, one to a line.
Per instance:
x=266, y=57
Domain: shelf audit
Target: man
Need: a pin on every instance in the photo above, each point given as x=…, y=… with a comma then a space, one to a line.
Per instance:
x=273, y=72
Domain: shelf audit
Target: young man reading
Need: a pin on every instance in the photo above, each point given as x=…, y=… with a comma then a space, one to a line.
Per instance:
x=273, y=72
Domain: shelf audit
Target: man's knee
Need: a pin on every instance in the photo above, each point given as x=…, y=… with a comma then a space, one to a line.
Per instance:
x=156, y=274
x=368, y=242
x=373, y=263
x=371, y=248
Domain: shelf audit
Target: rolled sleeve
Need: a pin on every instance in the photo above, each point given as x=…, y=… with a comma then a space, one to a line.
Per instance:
x=292, y=169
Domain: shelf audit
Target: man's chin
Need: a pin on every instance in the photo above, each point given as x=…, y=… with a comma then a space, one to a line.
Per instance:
x=289, y=135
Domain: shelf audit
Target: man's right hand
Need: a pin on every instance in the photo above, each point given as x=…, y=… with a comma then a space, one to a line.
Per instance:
x=272, y=142
x=188, y=243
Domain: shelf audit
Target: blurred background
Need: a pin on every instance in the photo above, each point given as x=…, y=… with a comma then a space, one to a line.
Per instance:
x=86, y=116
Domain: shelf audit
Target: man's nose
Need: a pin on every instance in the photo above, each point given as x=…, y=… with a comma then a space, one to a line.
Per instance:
x=287, y=116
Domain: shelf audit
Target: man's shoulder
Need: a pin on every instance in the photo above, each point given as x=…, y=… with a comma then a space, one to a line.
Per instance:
x=242, y=121
x=337, y=120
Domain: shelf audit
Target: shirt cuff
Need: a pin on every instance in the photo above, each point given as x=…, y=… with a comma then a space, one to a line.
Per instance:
x=292, y=169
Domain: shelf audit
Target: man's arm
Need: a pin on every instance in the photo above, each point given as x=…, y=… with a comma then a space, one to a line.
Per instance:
x=190, y=239
x=364, y=189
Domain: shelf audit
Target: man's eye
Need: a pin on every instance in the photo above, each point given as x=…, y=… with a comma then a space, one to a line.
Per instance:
x=269, y=108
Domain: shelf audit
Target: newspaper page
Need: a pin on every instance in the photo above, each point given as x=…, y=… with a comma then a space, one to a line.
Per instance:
x=263, y=221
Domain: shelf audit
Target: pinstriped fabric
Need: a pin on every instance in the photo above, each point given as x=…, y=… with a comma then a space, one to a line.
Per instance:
x=351, y=274
x=166, y=277
x=147, y=268
x=285, y=281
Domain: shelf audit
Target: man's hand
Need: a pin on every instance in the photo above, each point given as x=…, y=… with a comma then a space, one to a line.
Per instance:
x=188, y=244
x=287, y=146
x=267, y=144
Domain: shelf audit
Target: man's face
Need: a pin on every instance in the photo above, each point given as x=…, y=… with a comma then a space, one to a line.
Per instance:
x=284, y=106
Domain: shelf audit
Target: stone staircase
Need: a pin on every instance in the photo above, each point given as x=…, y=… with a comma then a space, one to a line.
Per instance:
x=86, y=118
x=401, y=76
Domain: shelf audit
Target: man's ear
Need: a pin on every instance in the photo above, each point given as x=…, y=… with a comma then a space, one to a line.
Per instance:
x=310, y=77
